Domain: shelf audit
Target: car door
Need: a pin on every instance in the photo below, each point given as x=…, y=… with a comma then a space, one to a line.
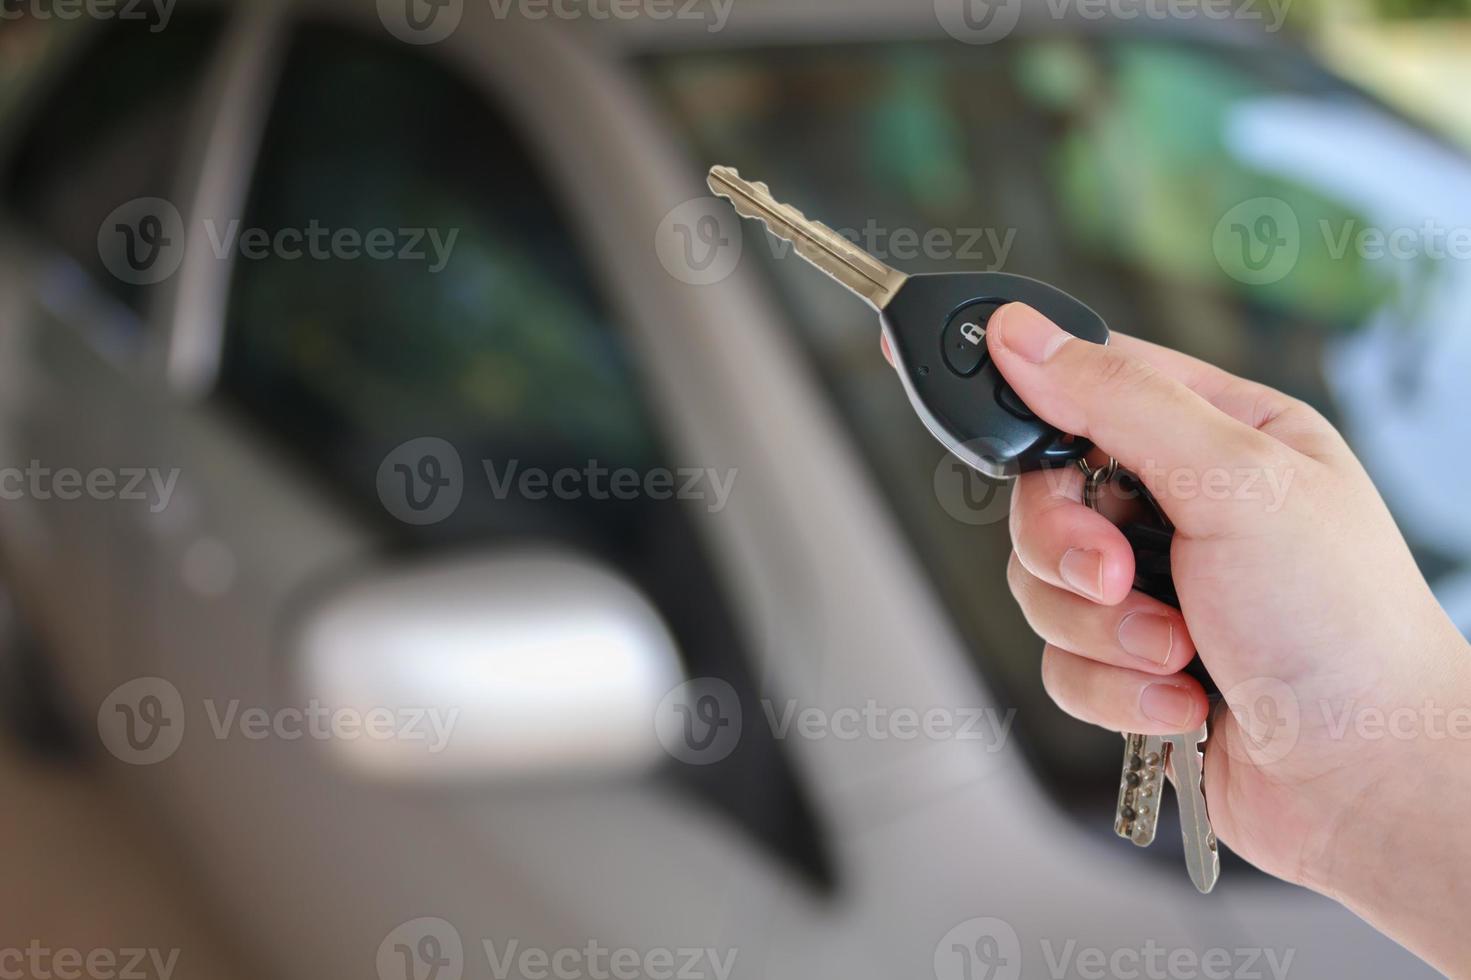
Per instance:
x=401, y=270
x=98, y=152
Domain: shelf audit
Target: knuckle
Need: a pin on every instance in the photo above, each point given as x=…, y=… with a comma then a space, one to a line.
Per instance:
x=1016, y=578
x=1114, y=371
x=1051, y=672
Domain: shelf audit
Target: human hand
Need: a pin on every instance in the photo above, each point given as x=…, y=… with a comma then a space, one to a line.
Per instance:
x=1295, y=586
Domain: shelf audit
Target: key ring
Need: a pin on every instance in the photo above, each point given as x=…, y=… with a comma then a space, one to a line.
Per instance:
x=1094, y=480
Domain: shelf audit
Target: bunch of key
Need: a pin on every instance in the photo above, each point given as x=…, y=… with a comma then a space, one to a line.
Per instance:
x=935, y=326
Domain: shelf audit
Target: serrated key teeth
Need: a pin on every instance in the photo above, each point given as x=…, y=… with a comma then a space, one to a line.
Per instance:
x=865, y=275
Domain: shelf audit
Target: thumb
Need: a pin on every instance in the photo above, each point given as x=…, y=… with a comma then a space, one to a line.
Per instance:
x=1154, y=425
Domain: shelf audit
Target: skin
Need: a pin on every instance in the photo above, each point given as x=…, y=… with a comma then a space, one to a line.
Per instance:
x=1340, y=759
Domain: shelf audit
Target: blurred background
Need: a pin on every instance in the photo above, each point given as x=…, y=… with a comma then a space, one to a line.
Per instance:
x=439, y=540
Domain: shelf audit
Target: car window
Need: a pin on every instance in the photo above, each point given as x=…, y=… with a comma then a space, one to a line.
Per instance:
x=25, y=46
x=470, y=344
x=1212, y=198
x=109, y=134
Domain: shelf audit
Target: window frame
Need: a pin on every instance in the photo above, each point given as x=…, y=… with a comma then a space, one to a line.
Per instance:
x=127, y=338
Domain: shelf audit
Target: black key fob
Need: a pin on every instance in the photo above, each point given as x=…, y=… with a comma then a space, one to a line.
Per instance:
x=936, y=328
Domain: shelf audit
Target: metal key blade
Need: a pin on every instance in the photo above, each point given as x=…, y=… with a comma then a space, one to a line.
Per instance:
x=1201, y=856
x=813, y=240
x=1141, y=788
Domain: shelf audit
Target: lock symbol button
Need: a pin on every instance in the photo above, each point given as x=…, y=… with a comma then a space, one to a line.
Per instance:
x=963, y=341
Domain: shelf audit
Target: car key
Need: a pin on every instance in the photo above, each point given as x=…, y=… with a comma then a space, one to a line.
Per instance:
x=935, y=326
x=936, y=329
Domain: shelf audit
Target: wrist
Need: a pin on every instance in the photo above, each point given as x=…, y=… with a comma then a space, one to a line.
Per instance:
x=1397, y=853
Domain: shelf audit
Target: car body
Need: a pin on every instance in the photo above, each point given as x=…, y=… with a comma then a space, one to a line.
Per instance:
x=806, y=856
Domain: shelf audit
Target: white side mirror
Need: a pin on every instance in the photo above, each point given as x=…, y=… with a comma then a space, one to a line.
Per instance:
x=531, y=665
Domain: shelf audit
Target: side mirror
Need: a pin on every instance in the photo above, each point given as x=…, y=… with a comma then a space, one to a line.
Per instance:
x=530, y=665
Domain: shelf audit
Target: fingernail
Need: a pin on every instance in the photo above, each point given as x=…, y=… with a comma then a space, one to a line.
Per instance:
x=1083, y=573
x=1028, y=333
x=1148, y=637
x=1168, y=705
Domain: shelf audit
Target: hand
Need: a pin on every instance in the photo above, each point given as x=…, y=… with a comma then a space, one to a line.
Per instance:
x=1303, y=600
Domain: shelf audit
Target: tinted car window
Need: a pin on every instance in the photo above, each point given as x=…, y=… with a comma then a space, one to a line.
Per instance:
x=111, y=132
x=475, y=322
x=1211, y=198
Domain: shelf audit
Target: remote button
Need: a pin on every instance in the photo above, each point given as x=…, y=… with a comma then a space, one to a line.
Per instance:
x=1008, y=400
x=964, y=339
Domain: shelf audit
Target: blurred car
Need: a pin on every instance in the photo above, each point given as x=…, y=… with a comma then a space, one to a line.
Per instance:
x=585, y=305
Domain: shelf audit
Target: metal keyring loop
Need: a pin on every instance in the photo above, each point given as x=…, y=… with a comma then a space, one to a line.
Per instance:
x=1094, y=480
